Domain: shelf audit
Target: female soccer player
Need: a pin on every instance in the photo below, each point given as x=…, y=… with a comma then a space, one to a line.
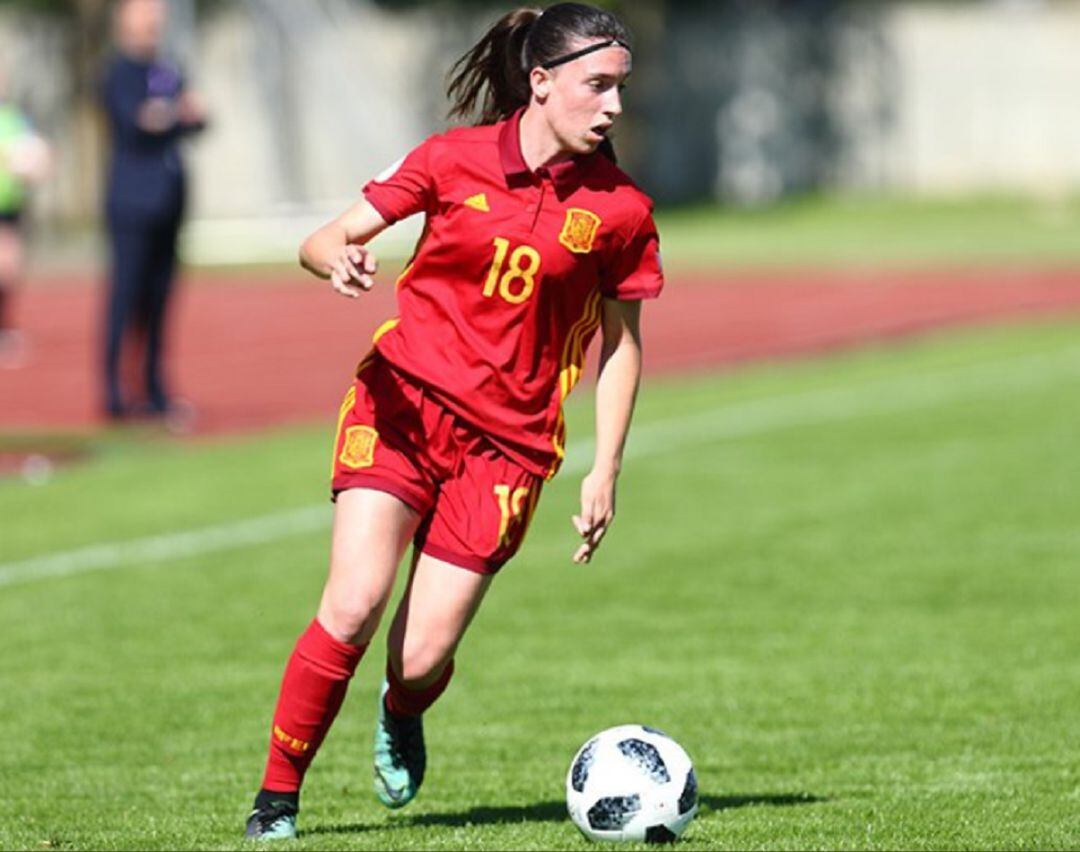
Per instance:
x=533, y=239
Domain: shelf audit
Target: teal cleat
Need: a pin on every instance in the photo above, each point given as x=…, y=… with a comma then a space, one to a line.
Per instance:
x=274, y=821
x=400, y=756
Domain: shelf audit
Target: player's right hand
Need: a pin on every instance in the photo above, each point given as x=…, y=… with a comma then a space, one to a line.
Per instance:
x=351, y=273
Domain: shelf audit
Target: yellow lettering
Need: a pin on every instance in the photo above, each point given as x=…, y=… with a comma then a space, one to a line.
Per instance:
x=524, y=265
x=290, y=741
x=501, y=245
x=510, y=505
x=525, y=272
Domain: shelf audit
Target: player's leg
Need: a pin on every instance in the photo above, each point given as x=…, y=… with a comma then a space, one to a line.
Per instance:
x=372, y=529
x=433, y=615
x=478, y=523
x=129, y=257
x=11, y=260
x=158, y=291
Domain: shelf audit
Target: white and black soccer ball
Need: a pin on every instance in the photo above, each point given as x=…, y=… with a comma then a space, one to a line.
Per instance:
x=631, y=783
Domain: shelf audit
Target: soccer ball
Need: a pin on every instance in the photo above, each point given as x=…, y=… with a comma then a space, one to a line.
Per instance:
x=631, y=783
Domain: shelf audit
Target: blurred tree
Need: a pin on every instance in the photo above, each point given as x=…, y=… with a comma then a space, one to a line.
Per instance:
x=41, y=5
x=90, y=41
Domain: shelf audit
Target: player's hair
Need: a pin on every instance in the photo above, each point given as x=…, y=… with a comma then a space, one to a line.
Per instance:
x=491, y=80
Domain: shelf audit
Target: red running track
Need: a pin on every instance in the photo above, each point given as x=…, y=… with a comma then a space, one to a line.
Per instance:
x=254, y=352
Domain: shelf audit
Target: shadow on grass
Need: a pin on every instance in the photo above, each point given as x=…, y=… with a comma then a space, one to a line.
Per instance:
x=774, y=800
x=552, y=811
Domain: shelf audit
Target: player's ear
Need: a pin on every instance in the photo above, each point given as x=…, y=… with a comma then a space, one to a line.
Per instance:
x=540, y=81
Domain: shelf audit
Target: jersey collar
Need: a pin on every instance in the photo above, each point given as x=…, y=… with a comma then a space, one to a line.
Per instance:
x=565, y=175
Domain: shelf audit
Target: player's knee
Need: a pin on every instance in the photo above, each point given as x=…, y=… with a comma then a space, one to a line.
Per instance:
x=422, y=662
x=353, y=619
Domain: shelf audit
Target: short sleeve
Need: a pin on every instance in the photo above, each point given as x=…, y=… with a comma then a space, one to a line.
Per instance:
x=635, y=271
x=405, y=188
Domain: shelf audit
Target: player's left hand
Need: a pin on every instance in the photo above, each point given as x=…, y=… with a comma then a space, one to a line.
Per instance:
x=352, y=270
x=191, y=109
x=156, y=115
x=597, y=512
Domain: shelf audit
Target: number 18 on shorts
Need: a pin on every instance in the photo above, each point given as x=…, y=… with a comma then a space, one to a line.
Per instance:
x=476, y=502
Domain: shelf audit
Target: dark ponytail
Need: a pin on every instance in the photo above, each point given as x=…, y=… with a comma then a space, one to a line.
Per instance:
x=491, y=81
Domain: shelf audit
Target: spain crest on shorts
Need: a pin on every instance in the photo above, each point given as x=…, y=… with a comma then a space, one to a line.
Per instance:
x=358, y=447
x=579, y=230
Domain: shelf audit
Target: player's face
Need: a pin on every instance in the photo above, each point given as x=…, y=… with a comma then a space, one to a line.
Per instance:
x=583, y=97
x=141, y=25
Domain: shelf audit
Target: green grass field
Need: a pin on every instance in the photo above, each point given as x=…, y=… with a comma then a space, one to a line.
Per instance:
x=875, y=231
x=848, y=586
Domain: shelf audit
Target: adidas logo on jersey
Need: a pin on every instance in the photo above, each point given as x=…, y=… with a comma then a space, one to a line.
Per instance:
x=478, y=202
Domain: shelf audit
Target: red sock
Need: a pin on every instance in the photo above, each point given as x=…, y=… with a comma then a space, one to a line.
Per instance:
x=316, y=679
x=402, y=701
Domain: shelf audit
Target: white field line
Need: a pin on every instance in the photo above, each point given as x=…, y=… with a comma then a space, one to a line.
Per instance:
x=874, y=398
x=159, y=548
x=728, y=421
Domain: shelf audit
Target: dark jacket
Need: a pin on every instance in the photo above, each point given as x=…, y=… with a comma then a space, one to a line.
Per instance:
x=146, y=174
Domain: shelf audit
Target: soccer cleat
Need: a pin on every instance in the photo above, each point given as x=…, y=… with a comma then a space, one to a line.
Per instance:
x=400, y=756
x=273, y=821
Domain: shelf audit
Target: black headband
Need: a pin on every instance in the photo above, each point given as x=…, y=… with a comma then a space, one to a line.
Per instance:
x=577, y=54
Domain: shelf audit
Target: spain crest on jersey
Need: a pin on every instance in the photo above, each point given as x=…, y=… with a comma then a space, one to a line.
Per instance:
x=579, y=230
x=358, y=448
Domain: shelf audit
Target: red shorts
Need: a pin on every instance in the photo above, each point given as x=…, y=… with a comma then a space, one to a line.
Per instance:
x=476, y=503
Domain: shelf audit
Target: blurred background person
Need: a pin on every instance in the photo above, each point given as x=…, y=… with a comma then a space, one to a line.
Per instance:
x=24, y=159
x=148, y=111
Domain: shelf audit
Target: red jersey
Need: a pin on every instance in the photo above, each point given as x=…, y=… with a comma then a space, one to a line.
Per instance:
x=503, y=294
